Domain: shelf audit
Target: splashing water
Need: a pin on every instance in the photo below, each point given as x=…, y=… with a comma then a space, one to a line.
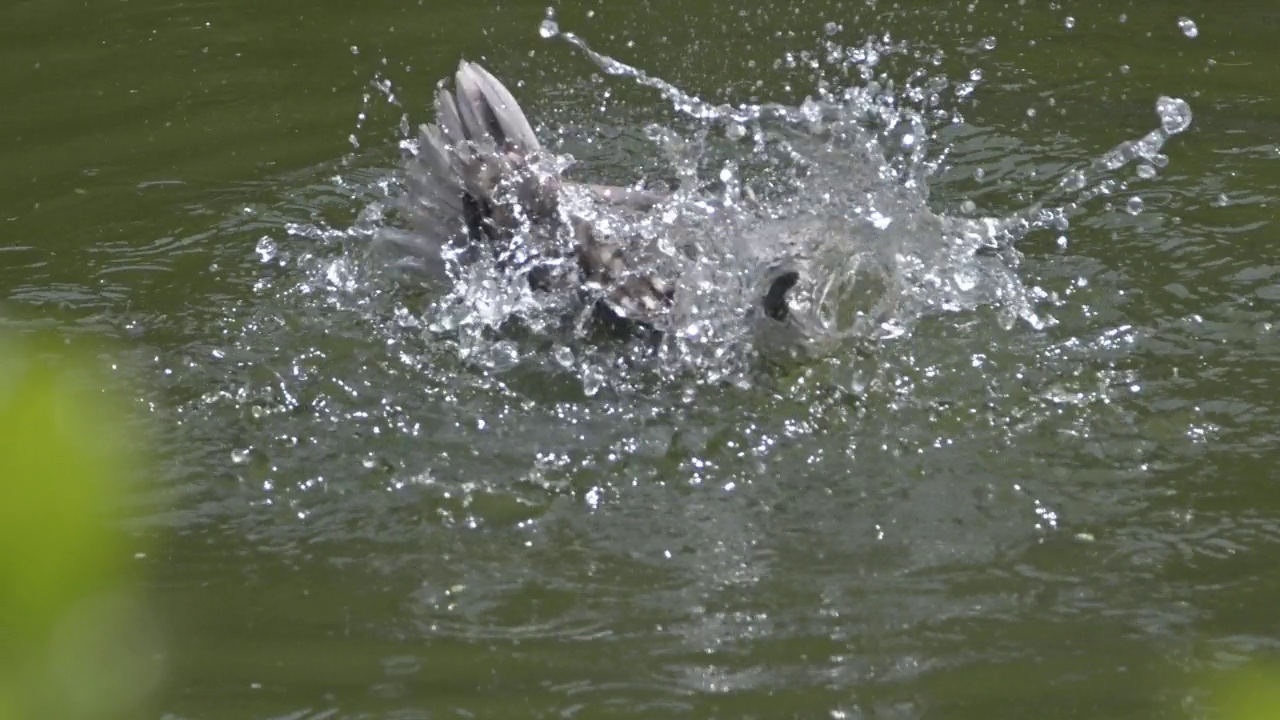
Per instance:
x=837, y=186
x=479, y=386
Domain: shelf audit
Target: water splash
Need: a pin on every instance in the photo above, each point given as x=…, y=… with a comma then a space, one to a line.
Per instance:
x=837, y=185
x=477, y=387
x=1079, y=186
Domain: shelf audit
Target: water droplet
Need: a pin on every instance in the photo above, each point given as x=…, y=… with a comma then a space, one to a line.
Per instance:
x=549, y=28
x=1124, y=69
x=1074, y=180
x=355, y=50
x=1222, y=201
x=975, y=74
x=979, y=174
x=831, y=28
x=810, y=111
x=1069, y=23
x=592, y=380
x=1175, y=114
x=240, y=456
x=1062, y=241
x=987, y=43
x=1135, y=205
x=1188, y=27
x=266, y=249
x=968, y=207
x=1146, y=171
x=1006, y=318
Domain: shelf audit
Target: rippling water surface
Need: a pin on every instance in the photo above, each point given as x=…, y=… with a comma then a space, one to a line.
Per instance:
x=1031, y=481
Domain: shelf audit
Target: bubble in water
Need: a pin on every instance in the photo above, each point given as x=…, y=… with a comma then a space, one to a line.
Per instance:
x=975, y=75
x=240, y=456
x=1135, y=205
x=1069, y=23
x=505, y=355
x=1175, y=114
x=1146, y=171
x=831, y=28
x=563, y=356
x=1188, y=27
x=987, y=43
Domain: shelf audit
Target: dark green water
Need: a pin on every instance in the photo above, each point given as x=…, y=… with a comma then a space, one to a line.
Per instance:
x=1074, y=522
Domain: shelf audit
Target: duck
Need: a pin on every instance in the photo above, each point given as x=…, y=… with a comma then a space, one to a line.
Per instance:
x=476, y=182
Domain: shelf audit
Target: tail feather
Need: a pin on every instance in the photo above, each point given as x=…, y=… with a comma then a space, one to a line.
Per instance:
x=470, y=181
x=480, y=140
x=506, y=122
x=447, y=118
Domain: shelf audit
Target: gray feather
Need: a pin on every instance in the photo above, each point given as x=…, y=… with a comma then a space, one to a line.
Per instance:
x=470, y=180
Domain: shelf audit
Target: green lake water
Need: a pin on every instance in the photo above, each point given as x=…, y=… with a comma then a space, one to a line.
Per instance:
x=1068, y=522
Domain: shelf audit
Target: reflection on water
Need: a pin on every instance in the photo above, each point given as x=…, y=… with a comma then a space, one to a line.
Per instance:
x=997, y=488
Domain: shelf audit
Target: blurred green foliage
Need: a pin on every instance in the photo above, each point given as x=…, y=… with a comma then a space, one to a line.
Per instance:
x=1251, y=693
x=75, y=637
